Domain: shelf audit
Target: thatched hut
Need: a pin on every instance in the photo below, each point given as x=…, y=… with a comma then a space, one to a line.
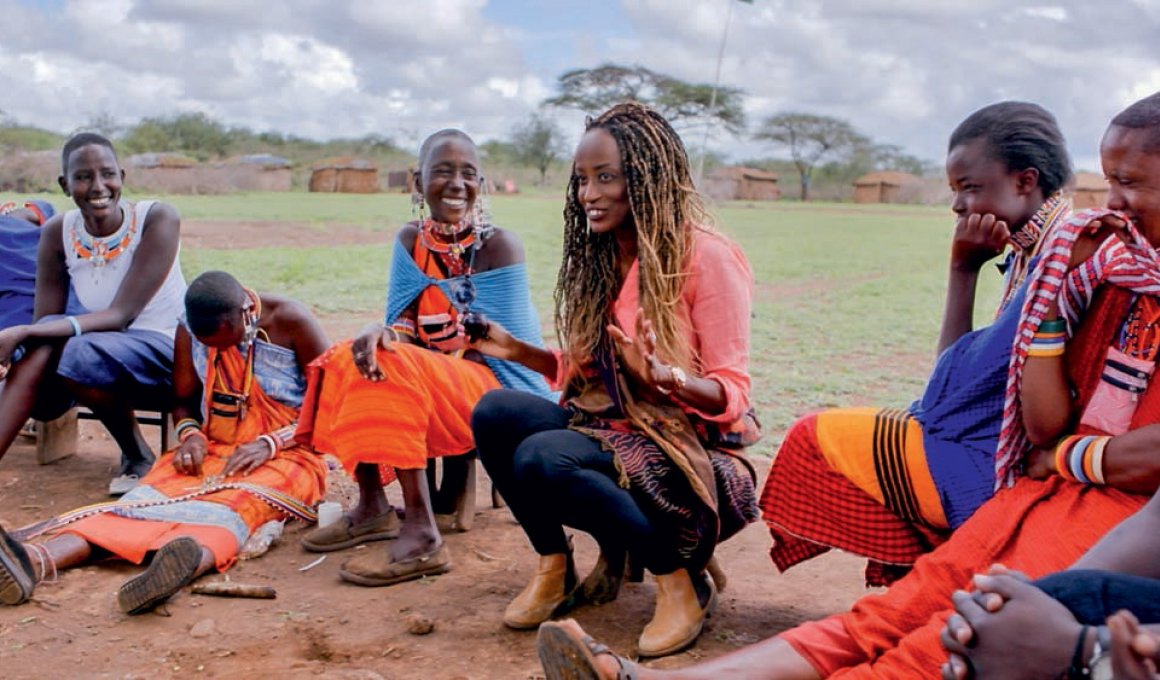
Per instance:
x=1089, y=190
x=742, y=184
x=400, y=181
x=255, y=172
x=165, y=172
x=30, y=172
x=885, y=186
x=345, y=175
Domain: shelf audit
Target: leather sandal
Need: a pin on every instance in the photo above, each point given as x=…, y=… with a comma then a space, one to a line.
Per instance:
x=16, y=575
x=346, y=534
x=375, y=568
x=565, y=656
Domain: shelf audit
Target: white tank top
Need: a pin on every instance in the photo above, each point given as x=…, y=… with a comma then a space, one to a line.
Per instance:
x=97, y=266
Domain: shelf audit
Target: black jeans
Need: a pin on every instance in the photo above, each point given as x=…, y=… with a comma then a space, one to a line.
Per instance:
x=552, y=477
x=1092, y=596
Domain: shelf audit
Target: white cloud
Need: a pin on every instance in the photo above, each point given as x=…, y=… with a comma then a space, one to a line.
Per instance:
x=903, y=71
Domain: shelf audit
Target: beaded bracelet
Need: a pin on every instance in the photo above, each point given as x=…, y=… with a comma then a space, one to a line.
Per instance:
x=272, y=443
x=1053, y=326
x=1080, y=458
x=184, y=424
x=1061, y=451
x=1048, y=341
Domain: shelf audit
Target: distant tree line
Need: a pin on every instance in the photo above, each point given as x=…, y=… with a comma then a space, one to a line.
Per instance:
x=817, y=146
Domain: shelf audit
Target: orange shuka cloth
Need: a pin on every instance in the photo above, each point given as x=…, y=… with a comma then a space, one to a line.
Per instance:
x=296, y=472
x=1037, y=527
x=422, y=407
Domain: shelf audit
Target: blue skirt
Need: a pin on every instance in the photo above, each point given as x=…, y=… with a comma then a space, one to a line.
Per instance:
x=135, y=363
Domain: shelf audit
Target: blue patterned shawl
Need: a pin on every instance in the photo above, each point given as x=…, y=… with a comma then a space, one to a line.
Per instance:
x=501, y=294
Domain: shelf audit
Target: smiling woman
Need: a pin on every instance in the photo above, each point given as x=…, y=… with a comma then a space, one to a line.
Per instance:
x=386, y=403
x=121, y=260
x=653, y=308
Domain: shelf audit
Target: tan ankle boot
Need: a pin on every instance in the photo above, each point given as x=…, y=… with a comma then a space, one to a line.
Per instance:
x=554, y=581
x=678, y=619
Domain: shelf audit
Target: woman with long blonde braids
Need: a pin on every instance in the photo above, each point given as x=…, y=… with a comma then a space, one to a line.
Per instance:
x=652, y=309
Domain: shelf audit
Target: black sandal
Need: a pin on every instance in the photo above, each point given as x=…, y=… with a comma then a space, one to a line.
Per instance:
x=565, y=657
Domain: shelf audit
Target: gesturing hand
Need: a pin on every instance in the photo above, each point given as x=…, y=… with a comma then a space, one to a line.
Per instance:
x=978, y=238
x=364, y=348
x=188, y=457
x=639, y=355
x=248, y=457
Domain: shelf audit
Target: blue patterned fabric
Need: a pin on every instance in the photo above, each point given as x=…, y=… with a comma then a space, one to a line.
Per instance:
x=19, y=240
x=184, y=512
x=275, y=368
x=961, y=412
x=501, y=294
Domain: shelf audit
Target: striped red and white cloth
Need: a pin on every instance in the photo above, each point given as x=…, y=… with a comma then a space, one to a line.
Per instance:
x=1132, y=265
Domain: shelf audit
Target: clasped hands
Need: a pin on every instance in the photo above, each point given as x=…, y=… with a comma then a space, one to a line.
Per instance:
x=1009, y=628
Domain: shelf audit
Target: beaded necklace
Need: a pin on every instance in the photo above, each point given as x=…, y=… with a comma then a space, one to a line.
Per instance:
x=451, y=253
x=101, y=250
x=1140, y=336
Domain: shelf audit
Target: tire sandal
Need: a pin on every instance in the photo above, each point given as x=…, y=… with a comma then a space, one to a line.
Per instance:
x=16, y=575
x=566, y=657
x=173, y=567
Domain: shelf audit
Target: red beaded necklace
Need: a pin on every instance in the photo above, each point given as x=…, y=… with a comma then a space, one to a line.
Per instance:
x=450, y=253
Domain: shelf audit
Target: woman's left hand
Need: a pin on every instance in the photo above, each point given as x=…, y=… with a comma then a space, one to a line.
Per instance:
x=639, y=355
x=248, y=457
x=1041, y=463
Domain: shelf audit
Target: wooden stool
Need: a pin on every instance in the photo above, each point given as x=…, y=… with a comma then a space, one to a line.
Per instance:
x=58, y=438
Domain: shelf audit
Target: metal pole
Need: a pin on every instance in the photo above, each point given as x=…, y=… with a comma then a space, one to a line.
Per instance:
x=713, y=95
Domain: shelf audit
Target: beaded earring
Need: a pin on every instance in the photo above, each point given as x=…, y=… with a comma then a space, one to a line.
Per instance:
x=418, y=206
x=481, y=211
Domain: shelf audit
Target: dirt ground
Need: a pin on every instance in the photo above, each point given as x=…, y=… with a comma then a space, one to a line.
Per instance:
x=321, y=627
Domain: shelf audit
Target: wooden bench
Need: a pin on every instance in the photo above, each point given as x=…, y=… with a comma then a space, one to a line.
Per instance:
x=58, y=438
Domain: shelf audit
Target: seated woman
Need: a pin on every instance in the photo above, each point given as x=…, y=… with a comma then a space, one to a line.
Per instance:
x=891, y=484
x=239, y=382
x=121, y=261
x=653, y=308
x=1100, y=279
x=401, y=394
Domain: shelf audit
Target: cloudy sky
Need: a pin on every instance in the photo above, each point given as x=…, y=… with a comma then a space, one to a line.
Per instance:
x=903, y=71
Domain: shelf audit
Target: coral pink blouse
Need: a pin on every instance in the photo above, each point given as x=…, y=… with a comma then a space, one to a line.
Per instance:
x=718, y=299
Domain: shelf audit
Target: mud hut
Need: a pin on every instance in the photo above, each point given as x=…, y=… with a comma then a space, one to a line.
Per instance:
x=255, y=172
x=885, y=186
x=742, y=184
x=165, y=172
x=400, y=181
x=1089, y=191
x=345, y=175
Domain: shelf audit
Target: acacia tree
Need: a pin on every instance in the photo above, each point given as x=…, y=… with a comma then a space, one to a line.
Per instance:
x=682, y=103
x=538, y=142
x=810, y=138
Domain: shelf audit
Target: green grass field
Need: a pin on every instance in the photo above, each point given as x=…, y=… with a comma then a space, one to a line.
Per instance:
x=847, y=305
